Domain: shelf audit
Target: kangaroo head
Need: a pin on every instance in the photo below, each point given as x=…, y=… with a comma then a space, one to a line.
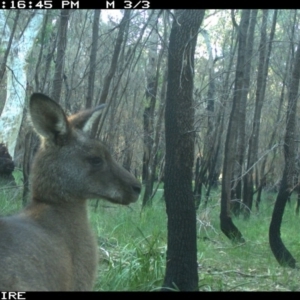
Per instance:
x=70, y=165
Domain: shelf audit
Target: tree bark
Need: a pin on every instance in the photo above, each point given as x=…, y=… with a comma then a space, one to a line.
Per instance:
x=227, y=225
x=286, y=76
x=282, y=255
x=260, y=95
x=60, y=54
x=151, y=136
x=241, y=140
x=248, y=40
x=39, y=60
x=12, y=113
x=152, y=74
x=93, y=57
x=181, y=268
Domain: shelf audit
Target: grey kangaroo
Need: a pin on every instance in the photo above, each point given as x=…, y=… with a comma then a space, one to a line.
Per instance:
x=49, y=246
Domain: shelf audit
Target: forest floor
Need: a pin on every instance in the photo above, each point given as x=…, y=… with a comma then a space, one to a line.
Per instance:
x=132, y=246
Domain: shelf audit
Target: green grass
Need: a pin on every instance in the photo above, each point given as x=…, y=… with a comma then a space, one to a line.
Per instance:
x=250, y=266
x=132, y=246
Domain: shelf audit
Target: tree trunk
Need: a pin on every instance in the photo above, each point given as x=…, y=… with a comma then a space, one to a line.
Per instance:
x=272, y=143
x=158, y=133
x=215, y=158
x=151, y=132
x=93, y=56
x=31, y=139
x=241, y=141
x=60, y=54
x=227, y=226
x=12, y=34
x=181, y=268
x=113, y=66
x=12, y=113
x=260, y=95
x=201, y=174
x=148, y=114
x=128, y=64
x=246, y=42
x=283, y=256
x=38, y=87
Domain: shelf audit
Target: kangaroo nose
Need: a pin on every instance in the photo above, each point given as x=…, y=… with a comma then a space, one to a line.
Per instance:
x=136, y=189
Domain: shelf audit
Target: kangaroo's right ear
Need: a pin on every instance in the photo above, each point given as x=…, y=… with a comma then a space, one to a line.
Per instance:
x=85, y=119
x=47, y=117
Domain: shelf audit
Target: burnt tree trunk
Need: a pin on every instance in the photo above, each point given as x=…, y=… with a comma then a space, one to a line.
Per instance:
x=282, y=255
x=245, y=38
x=226, y=223
x=241, y=140
x=181, y=267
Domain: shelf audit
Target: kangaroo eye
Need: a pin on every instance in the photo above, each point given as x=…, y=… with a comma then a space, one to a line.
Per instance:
x=95, y=160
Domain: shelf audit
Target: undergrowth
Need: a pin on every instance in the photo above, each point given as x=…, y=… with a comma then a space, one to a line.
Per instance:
x=133, y=242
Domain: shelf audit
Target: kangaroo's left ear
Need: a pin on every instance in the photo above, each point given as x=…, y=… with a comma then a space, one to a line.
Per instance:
x=48, y=118
x=85, y=119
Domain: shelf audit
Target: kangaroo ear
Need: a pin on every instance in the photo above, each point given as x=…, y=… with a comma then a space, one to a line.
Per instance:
x=48, y=118
x=84, y=120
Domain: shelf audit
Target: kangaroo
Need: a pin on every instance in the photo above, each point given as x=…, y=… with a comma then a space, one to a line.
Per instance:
x=49, y=246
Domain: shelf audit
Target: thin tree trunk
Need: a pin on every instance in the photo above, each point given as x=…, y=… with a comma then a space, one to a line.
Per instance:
x=148, y=114
x=201, y=172
x=114, y=62
x=70, y=80
x=113, y=65
x=93, y=57
x=151, y=136
x=215, y=164
x=226, y=223
x=12, y=34
x=241, y=115
x=262, y=75
x=129, y=60
x=286, y=82
x=158, y=133
x=37, y=67
x=60, y=54
x=241, y=141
